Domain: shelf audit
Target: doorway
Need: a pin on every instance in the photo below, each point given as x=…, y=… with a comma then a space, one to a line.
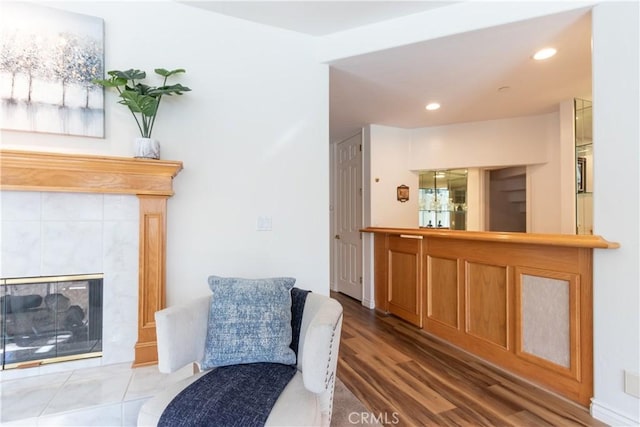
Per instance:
x=347, y=239
x=507, y=199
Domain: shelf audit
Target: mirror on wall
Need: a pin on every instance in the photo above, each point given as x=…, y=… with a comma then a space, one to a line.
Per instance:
x=442, y=199
x=584, y=165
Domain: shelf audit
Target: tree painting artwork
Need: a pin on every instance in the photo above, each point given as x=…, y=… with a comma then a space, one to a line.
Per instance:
x=48, y=59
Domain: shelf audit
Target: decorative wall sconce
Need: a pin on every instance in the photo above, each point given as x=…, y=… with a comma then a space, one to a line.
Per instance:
x=403, y=193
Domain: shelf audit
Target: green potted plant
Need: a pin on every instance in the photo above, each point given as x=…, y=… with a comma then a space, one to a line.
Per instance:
x=143, y=102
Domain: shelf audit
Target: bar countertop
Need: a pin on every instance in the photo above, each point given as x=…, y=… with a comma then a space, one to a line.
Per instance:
x=569, y=240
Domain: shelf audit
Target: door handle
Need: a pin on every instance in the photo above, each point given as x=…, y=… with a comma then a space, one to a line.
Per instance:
x=337, y=237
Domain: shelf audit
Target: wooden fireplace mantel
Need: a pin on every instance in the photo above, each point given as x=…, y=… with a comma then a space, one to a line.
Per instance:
x=37, y=171
x=150, y=180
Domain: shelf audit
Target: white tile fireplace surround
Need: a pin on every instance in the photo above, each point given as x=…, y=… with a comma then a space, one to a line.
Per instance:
x=151, y=181
x=82, y=213
x=51, y=233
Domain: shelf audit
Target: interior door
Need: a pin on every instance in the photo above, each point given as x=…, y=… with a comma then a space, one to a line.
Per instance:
x=348, y=240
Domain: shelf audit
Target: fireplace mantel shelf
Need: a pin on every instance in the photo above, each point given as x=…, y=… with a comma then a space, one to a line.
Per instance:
x=38, y=171
x=150, y=180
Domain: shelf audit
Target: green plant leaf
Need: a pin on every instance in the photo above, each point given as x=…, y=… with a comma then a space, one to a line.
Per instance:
x=166, y=73
x=137, y=103
x=178, y=88
x=142, y=89
x=130, y=74
x=113, y=82
x=169, y=90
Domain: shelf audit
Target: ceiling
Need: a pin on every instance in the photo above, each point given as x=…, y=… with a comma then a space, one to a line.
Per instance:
x=316, y=18
x=479, y=75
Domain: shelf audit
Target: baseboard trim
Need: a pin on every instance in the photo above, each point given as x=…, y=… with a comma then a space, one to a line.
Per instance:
x=608, y=415
x=369, y=303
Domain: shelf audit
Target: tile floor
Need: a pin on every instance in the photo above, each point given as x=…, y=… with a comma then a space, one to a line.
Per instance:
x=95, y=396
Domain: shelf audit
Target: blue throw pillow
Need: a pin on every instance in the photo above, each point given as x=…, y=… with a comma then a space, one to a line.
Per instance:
x=249, y=321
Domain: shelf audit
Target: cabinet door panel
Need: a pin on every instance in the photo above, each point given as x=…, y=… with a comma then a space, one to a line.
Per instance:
x=442, y=291
x=404, y=290
x=487, y=303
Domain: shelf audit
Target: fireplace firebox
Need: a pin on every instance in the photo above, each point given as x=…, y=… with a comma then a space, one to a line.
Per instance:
x=50, y=319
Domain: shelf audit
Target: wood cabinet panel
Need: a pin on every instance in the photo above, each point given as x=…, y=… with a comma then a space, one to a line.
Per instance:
x=442, y=301
x=404, y=287
x=487, y=303
x=553, y=258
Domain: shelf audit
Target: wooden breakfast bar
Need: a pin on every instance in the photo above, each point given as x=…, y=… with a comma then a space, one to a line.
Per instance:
x=521, y=301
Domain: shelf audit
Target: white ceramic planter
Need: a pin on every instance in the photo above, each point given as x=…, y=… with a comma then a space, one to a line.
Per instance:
x=147, y=148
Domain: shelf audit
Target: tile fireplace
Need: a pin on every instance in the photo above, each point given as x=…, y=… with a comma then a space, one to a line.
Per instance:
x=45, y=235
x=130, y=252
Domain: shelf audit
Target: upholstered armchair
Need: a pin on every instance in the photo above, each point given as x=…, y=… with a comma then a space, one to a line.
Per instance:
x=305, y=401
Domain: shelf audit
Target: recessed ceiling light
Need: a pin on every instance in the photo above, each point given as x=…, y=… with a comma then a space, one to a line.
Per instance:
x=545, y=53
x=432, y=106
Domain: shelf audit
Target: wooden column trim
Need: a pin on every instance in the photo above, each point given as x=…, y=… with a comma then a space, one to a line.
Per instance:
x=150, y=180
x=153, y=211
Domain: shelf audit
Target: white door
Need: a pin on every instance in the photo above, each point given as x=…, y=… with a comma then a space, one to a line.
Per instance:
x=348, y=240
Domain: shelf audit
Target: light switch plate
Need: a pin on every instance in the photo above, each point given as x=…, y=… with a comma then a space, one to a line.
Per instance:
x=264, y=223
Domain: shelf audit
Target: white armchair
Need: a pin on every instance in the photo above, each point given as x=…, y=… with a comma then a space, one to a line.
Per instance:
x=307, y=399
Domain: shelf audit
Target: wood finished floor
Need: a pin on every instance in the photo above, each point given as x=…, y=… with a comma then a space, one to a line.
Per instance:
x=402, y=374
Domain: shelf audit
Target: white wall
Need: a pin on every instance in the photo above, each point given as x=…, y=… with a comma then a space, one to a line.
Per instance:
x=389, y=150
x=567, y=154
x=492, y=143
x=545, y=184
x=475, y=199
x=616, y=208
x=385, y=166
x=253, y=136
x=530, y=140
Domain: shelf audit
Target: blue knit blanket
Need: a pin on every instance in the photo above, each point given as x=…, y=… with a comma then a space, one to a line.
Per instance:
x=230, y=396
x=237, y=395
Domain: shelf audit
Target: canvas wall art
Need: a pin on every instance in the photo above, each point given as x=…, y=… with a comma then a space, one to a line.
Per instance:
x=48, y=58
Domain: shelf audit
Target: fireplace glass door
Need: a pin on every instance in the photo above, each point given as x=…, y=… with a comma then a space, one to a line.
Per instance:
x=50, y=319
